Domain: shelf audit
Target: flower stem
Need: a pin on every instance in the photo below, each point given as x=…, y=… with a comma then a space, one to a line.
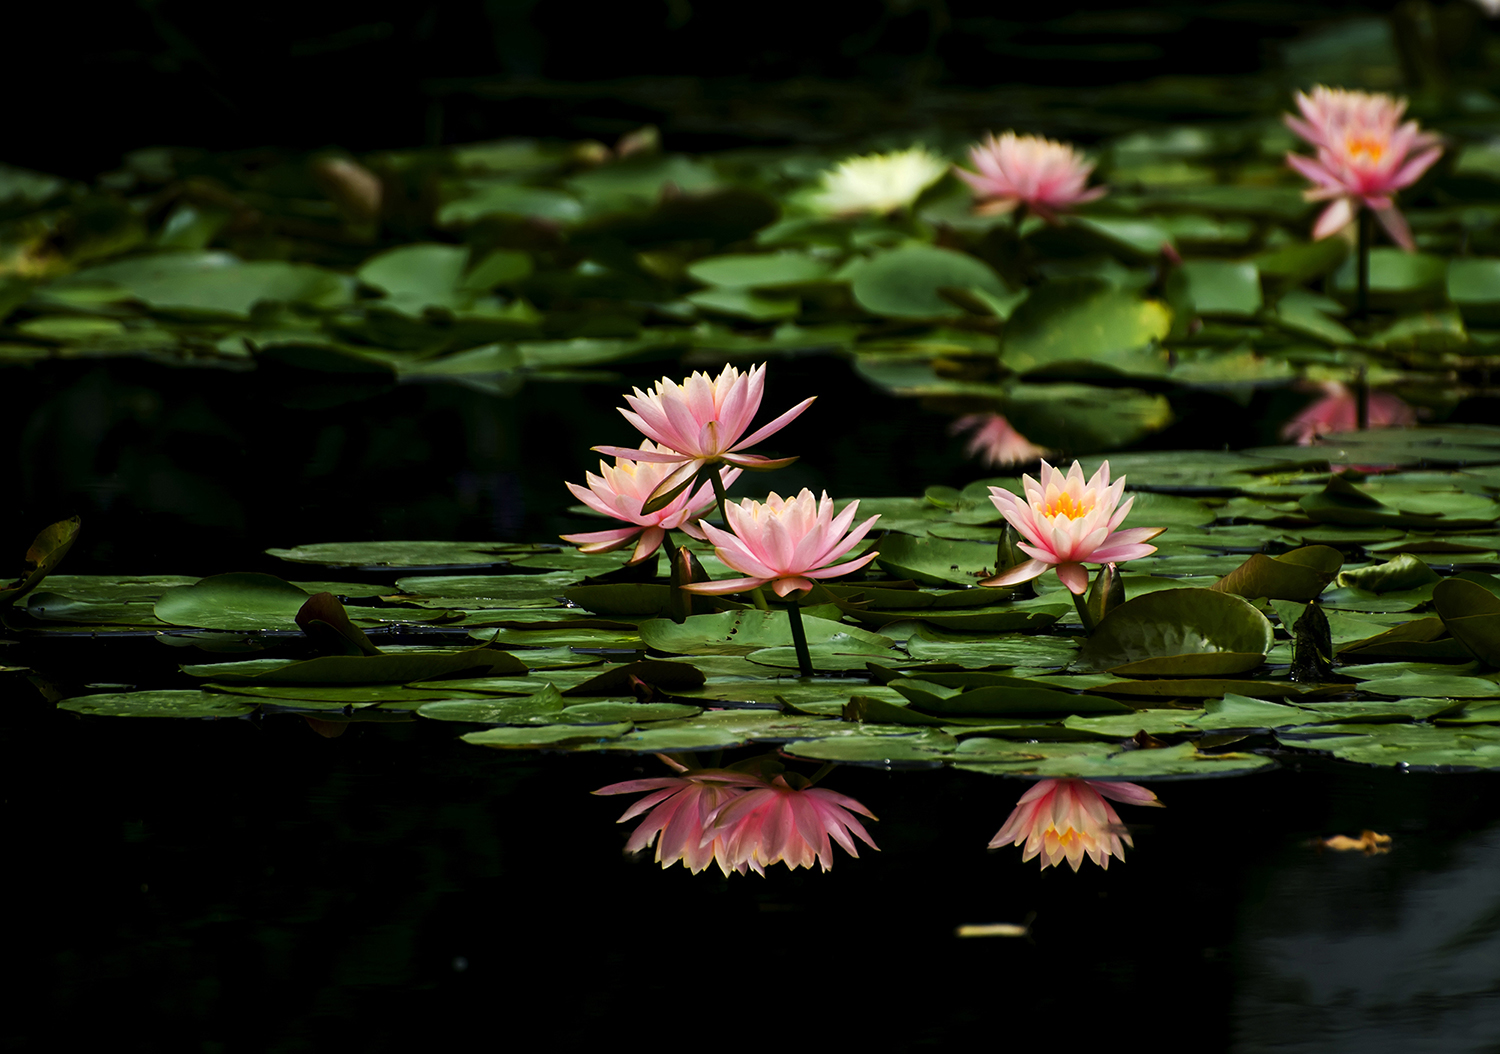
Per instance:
x=717, y=478
x=1362, y=398
x=799, y=639
x=758, y=598
x=1366, y=235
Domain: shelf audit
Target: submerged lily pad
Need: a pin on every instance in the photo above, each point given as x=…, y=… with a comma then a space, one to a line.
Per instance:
x=161, y=703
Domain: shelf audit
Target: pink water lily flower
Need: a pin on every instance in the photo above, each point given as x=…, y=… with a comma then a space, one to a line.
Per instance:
x=621, y=492
x=1337, y=411
x=680, y=811
x=995, y=441
x=1069, y=818
x=1065, y=523
x=1364, y=155
x=700, y=422
x=780, y=823
x=1044, y=175
x=784, y=542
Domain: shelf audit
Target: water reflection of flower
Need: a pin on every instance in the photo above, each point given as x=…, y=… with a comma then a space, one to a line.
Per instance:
x=1364, y=155
x=785, y=542
x=620, y=492
x=1337, y=411
x=741, y=819
x=995, y=441
x=1066, y=522
x=700, y=422
x=1066, y=819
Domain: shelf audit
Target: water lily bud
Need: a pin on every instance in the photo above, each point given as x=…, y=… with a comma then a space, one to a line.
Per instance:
x=354, y=188
x=1107, y=593
x=685, y=570
x=1006, y=554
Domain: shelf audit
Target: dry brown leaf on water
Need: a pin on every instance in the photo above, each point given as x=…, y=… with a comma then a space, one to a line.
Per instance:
x=1369, y=842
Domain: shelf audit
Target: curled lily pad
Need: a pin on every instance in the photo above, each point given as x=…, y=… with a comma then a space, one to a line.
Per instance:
x=1402, y=572
x=1471, y=614
x=1298, y=575
x=46, y=552
x=1197, y=632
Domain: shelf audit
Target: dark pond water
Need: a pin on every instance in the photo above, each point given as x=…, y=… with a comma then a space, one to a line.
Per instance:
x=250, y=886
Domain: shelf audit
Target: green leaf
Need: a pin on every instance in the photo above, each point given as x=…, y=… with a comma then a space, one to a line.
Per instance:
x=1100, y=761
x=1081, y=418
x=760, y=270
x=547, y=736
x=390, y=668
x=213, y=283
x=408, y=554
x=416, y=277
x=1474, y=286
x=184, y=703
x=1198, y=632
x=1223, y=288
x=46, y=552
x=742, y=632
x=1402, y=572
x=1471, y=614
x=242, y=601
x=746, y=303
x=1397, y=278
x=907, y=282
x=931, y=644
x=1298, y=575
x=484, y=200
x=928, y=744
x=1087, y=321
x=935, y=561
x=657, y=673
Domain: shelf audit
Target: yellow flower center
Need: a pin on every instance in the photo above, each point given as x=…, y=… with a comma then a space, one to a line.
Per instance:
x=1064, y=505
x=1364, y=147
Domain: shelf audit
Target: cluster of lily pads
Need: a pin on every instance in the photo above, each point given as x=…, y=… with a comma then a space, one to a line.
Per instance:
x=490, y=264
x=1299, y=603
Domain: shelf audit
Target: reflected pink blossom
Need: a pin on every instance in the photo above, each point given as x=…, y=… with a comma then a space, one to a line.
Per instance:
x=702, y=421
x=1066, y=819
x=1046, y=176
x=785, y=543
x=680, y=810
x=1065, y=523
x=995, y=441
x=1364, y=155
x=1338, y=411
x=621, y=492
x=779, y=823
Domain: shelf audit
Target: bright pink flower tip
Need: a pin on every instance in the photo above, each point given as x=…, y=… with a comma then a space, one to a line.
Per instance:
x=1364, y=154
x=785, y=542
x=1042, y=174
x=1065, y=523
x=703, y=420
x=1068, y=819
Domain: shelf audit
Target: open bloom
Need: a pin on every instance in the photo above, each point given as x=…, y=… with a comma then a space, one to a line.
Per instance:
x=1337, y=411
x=778, y=823
x=621, y=492
x=786, y=542
x=1066, y=522
x=1064, y=819
x=1044, y=175
x=995, y=441
x=879, y=183
x=681, y=807
x=701, y=422
x=1364, y=155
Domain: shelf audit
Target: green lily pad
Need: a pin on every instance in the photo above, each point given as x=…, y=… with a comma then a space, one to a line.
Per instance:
x=389, y=668
x=908, y=282
x=1175, y=631
x=1098, y=761
x=242, y=601
x=403, y=554
x=760, y=270
x=171, y=703
x=1471, y=614
x=928, y=744
x=214, y=283
x=1086, y=321
x=932, y=644
x=1223, y=288
x=1402, y=572
x=935, y=561
x=742, y=632
x=547, y=736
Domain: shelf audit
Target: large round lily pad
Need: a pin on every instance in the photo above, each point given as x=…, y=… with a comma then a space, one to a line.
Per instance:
x=1179, y=632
